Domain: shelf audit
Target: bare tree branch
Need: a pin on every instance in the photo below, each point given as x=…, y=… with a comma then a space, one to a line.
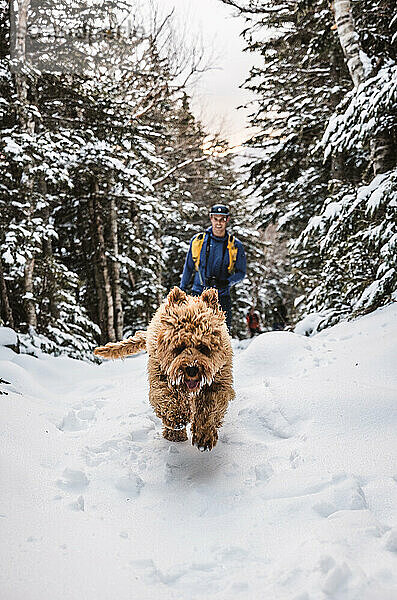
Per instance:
x=189, y=161
x=257, y=7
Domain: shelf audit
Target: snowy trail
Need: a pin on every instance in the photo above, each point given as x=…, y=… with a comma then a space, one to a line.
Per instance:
x=297, y=501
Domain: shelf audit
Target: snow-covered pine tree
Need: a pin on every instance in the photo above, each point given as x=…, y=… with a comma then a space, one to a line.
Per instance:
x=356, y=227
x=51, y=290
x=76, y=115
x=331, y=201
x=302, y=79
x=121, y=115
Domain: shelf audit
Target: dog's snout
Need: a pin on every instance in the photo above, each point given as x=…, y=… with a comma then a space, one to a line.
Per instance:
x=191, y=371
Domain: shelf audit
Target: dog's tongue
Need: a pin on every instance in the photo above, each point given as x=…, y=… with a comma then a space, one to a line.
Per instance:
x=192, y=383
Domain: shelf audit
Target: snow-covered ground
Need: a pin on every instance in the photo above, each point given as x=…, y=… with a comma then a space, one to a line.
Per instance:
x=298, y=501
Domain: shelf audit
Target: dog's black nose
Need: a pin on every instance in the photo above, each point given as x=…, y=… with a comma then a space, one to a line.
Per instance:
x=191, y=371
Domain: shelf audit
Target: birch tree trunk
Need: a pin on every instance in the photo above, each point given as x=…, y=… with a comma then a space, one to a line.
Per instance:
x=115, y=265
x=4, y=301
x=102, y=278
x=380, y=146
x=349, y=40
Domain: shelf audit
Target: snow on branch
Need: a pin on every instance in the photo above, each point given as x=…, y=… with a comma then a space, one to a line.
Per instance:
x=362, y=113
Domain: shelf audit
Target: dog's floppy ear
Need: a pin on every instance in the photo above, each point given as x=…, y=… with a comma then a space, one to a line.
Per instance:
x=210, y=297
x=176, y=296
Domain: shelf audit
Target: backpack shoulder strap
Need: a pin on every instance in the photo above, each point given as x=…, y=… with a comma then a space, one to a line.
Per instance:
x=197, y=244
x=232, y=249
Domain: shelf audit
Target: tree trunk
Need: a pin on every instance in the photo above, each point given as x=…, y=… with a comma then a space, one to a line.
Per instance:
x=19, y=52
x=381, y=153
x=115, y=265
x=349, y=40
x=48, y=258
x=102, y=279
x=131, y=278
x=26, y=124
x=29, y=302
x=101, y=300
x=5, y=304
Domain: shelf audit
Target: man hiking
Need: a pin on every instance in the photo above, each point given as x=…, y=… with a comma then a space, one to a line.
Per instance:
x=217, y=258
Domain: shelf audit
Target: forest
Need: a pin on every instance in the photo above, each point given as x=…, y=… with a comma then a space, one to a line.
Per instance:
x=106, y=174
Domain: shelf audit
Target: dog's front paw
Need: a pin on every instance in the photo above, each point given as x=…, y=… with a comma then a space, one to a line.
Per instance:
x=204, y=448
x=205, y=440
x=175, y=435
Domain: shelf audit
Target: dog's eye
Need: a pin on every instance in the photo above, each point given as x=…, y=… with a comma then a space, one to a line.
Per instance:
x=179, y=349
x=204, y=350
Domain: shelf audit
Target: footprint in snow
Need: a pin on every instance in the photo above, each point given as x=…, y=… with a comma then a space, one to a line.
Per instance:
x=142, y=429
x=130, y=485
x=344, y=495
x=239, y=587
x=86, y=414
x=263, y=471
x=80, y=416
x=115, y=450
x=72, y=422
x=261, y=420
x=78, y=505
x=73, y=481
x=195, y=574
x=391, y=540
x=336, y=579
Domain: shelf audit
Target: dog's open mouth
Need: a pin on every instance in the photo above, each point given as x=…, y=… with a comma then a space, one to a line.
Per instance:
x=192, y=384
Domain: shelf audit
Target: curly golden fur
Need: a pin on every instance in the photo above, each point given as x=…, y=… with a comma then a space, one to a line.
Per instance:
x=190, y=365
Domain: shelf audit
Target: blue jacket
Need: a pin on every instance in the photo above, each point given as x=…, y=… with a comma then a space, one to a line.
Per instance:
x=216, y=267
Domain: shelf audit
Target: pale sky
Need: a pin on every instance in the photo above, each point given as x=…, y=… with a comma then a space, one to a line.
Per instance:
x=217, y=94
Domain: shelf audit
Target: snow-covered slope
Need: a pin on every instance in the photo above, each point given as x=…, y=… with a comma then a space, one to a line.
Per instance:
x=298, y=500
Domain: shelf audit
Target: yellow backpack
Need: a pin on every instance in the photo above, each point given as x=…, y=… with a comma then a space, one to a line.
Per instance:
x=197, y=244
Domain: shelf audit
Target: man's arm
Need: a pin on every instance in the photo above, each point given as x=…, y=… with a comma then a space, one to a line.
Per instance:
x=187, y=269
x=240, y=267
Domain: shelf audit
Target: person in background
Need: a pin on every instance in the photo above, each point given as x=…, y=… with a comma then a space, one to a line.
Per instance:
x=217, y=259
x=253, y=322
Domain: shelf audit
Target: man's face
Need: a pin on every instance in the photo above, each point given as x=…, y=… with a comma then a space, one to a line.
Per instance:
x=219, y=223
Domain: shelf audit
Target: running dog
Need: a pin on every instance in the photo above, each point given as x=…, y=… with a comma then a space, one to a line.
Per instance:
x=190, y=365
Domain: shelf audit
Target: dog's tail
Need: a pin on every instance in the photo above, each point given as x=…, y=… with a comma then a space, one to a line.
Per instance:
x=120, y=349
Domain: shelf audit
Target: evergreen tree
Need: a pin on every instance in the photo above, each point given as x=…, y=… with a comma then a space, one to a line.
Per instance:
x=340, y=232
x=105, y=179
x=356, y=227
x=302, y=80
